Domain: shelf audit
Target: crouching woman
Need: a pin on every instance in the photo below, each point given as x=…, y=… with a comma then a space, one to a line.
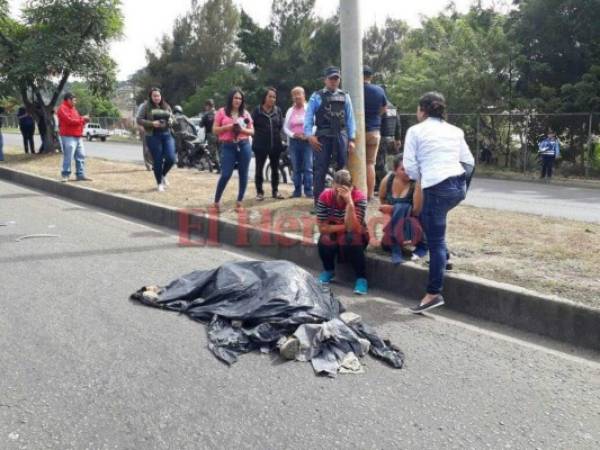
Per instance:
x=341, y=212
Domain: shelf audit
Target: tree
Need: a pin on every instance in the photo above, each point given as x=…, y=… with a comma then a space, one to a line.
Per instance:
x=382, y=47
x=92, y=104
x=54, y=41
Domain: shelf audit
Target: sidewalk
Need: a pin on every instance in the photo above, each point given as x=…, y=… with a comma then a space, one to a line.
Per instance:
x=550, y=256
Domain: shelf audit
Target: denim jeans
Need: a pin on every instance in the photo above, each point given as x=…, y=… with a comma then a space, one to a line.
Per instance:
x=162, y=147
x=240, y=152
x=73, y=148
x=1, y=147
x=547, y=164
x=331, y=147
x=301, y=155
x=438, y=200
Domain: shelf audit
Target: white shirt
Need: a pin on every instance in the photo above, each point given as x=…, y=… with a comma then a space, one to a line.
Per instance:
x=433, y=151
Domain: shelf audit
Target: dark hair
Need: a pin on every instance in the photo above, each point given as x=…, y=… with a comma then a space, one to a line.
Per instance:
x=163, y=104
x=229, y=104
x=433, y=104
x=397, y=161
x=265, y=93
x=210, y=102
x=68, y=96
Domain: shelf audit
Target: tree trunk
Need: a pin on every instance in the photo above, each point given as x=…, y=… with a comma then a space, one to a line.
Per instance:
x=51, y=140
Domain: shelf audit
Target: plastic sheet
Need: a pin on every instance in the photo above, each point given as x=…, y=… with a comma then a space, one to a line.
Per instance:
x=257, y=305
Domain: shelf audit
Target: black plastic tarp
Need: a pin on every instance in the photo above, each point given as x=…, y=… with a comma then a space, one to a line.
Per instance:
x=256, y=305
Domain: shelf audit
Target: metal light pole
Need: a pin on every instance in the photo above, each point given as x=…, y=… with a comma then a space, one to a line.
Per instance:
x=352, y=79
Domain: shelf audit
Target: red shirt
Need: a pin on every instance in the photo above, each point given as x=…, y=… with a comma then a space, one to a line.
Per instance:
x=333, y=212
x=222, y=119
x=70, y=123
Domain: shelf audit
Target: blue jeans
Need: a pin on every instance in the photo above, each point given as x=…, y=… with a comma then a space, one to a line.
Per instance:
x=438, y=200
x=547, y=164
x=332, y=147
x=240, y=152
x=1, y=147
x=301, y=155
x=73, y=147
x=162, y=147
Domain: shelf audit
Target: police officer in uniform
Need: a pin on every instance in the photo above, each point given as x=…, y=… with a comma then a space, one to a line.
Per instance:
x=330, y=111
x=390, y=142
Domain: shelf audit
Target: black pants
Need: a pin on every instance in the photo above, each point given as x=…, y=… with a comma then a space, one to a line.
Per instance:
x=349, y=247
x=260, y=158
x=547, y=164
x=28, y=133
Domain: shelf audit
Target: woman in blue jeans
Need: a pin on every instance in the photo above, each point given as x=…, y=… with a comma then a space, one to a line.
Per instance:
x=433, y=153
x=156, y=117
x=233, y=126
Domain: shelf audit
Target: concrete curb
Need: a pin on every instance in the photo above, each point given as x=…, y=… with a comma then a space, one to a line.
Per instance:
x=526, y=310
x=556, y=181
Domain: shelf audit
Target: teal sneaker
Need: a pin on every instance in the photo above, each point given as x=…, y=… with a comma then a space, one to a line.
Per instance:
x=361, y=286
x=326, y=276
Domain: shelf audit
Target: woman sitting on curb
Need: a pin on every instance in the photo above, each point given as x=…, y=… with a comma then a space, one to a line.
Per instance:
x=341, y=212
x=401, y=199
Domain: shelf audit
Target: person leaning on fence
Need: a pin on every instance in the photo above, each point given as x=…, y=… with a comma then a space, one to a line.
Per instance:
x=401, y=199
x=298, y=146
x=268, y=121
x=549, y=150
x=156, y=117
x=208, y=118
x=70, y=129
x=341, y=216
x=330, y=110
x=434, y=152
x=375, y=106
x=233, y=126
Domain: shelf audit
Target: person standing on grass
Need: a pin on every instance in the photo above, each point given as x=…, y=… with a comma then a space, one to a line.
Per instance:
x=300, y=152
x=156, y=117
x=375, y=107
x=70, y=129
x=549, y=150
x=433, y=153
x=268, y=121
x=330, y=111
x=341, y=212
x=27, y=128
x=233, y=126
x=208, y=118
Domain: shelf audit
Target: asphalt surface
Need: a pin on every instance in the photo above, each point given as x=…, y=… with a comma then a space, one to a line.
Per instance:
x=534, y=198
x=81, y=367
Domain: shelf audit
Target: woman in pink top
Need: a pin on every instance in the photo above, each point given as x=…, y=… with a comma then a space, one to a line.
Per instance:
x=299, y=148
x=233, y=126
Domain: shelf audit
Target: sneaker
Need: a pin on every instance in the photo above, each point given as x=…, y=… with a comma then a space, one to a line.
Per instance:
x=326, y=276
x=161, y=188
x=437, y=301
x=260, y=197
x=64, y=179
x=165, y=182
x=84, y=178
x=415, y=257
x=361, y=286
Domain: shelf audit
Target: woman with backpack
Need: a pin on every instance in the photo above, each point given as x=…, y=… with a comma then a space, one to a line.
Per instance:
x=156, y=117
x=434, y=154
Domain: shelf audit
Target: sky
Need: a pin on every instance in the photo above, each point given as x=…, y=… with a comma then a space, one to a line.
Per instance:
x=144, y=27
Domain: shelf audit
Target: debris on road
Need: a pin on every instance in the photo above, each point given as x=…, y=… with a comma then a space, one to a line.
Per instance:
x=36, y=236
x=268, y=306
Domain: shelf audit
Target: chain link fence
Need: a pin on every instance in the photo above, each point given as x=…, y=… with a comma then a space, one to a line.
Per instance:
x=510, y=141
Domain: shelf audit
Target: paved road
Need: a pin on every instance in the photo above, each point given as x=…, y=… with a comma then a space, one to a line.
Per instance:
x=534, y=198
x=82, y=367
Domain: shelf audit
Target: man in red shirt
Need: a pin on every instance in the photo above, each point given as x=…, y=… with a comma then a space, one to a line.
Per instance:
x=70, y=128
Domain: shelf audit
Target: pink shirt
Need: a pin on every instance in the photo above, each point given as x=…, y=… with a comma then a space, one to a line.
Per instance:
x=294, y=121
x=222, y=119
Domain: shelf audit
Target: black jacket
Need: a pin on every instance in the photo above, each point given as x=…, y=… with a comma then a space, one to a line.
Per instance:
x=267, y=129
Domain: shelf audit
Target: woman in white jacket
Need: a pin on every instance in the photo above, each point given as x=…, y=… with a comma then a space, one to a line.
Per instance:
x=299, y=149
x=434, y=154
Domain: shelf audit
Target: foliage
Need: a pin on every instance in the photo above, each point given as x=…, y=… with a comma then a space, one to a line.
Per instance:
x=94, y=105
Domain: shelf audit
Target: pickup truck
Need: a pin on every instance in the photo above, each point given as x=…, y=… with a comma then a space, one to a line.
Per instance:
x=94, y=130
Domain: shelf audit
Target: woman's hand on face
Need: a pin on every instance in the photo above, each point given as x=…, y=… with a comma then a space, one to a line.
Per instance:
x=344, y=192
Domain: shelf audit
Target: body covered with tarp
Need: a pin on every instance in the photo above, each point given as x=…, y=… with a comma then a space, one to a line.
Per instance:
x=257, y=305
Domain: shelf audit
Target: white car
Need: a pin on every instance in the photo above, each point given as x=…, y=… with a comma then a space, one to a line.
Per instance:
x=94, y=130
